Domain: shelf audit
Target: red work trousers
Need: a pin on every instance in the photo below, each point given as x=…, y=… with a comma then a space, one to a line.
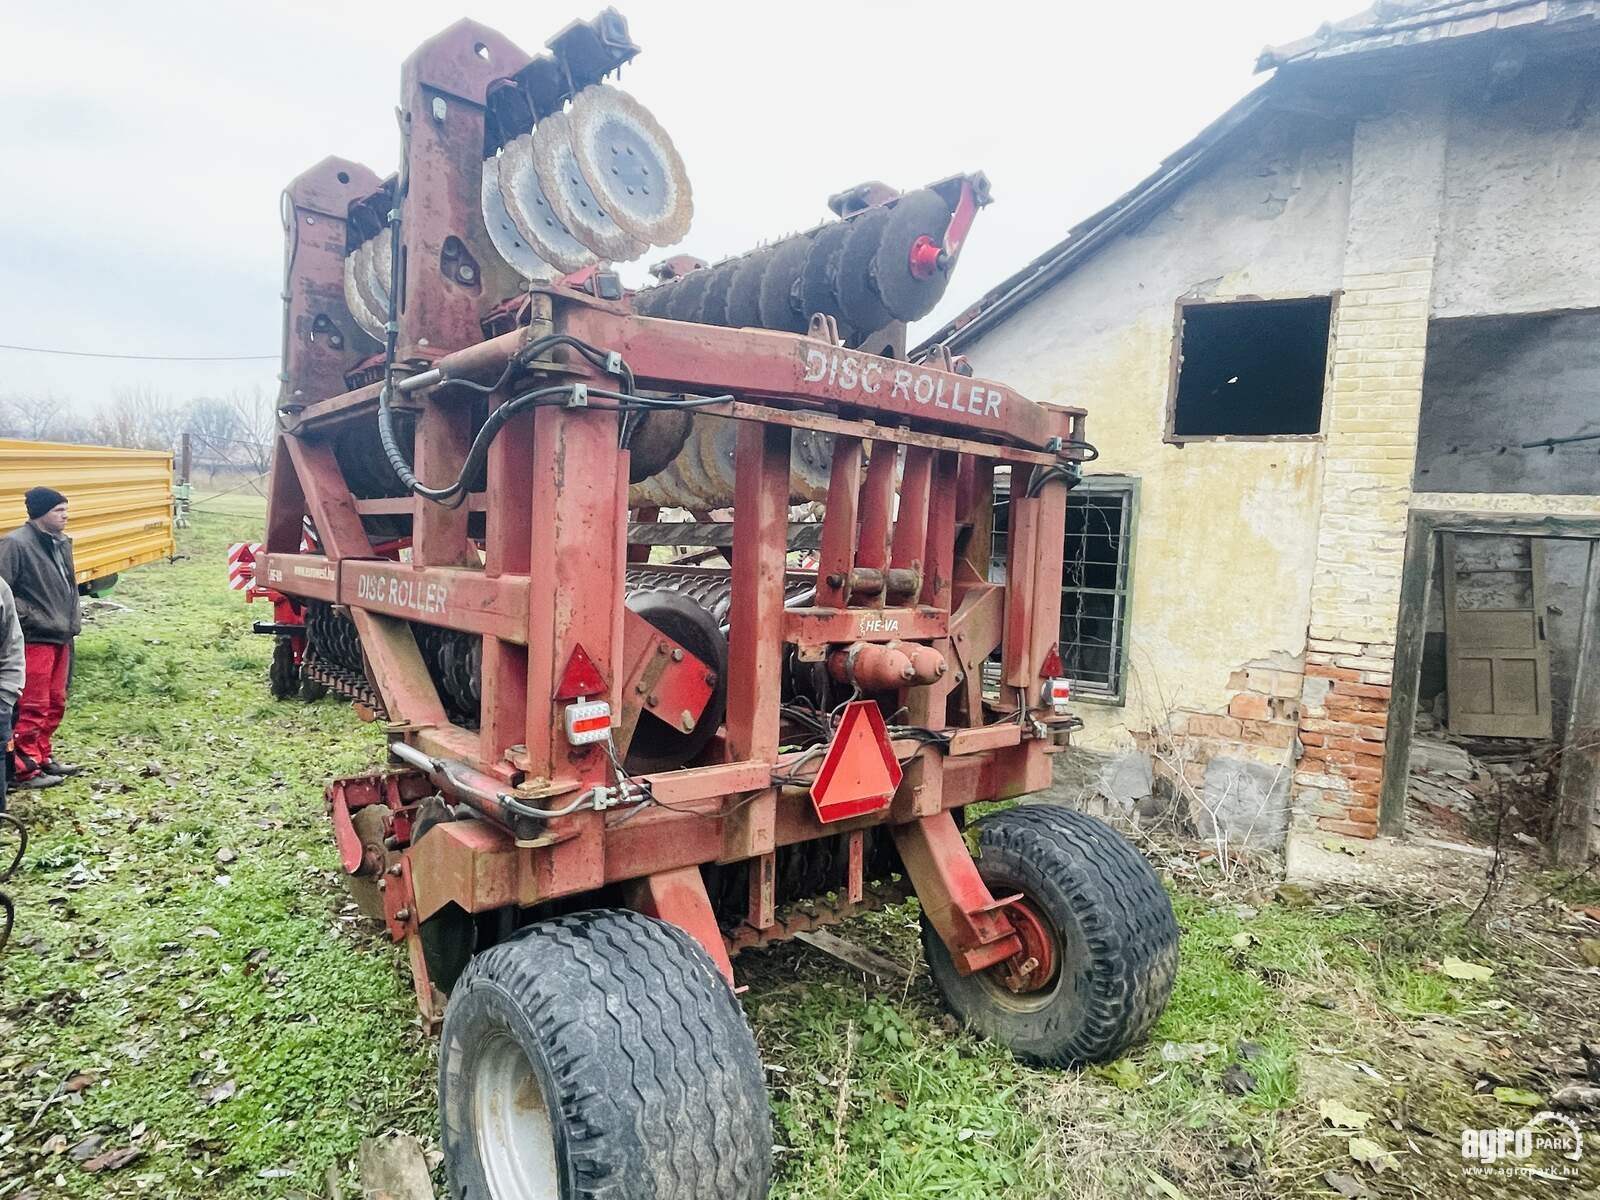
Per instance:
x=43, y=702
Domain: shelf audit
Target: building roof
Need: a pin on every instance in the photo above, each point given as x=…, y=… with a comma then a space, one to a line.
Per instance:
x=1392, y=24
x=1387, y=25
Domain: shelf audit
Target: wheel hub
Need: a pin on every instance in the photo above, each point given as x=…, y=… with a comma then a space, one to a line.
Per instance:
x=1034, y=966
x=516, y=1140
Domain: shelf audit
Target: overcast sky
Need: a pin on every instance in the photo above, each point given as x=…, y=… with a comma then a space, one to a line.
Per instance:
x=146, y=144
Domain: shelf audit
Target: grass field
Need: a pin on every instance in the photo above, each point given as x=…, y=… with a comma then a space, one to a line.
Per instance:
x=189, y=985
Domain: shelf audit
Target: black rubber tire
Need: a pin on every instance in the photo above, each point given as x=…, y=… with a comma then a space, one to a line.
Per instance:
x=284, y=674
x=625, y=1021
x=1116, y=939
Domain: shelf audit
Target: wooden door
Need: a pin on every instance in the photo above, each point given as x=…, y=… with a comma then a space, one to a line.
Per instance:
x=1497, y=659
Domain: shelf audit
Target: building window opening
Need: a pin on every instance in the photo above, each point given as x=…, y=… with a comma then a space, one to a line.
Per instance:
x=1251, y=368
x=1097, y=557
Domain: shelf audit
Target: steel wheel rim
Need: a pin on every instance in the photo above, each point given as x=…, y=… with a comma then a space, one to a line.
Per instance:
x=516, y=1140
x=1027, y=1002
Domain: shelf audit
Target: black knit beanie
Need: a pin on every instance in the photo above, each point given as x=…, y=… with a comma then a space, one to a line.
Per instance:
x=41, y=500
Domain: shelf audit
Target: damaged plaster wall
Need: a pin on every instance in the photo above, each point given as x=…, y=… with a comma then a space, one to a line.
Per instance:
x=1521, y=220
x=1492, y=384
x=1226, y=537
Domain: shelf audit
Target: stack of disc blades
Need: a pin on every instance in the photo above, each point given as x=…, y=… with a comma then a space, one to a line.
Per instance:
x=601, y=181
x=859, y=270
x=366, y=284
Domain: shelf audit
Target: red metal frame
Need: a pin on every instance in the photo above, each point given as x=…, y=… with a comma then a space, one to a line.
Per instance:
x=902, y=573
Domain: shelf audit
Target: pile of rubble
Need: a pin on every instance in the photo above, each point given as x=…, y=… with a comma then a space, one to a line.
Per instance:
x=1466, y=785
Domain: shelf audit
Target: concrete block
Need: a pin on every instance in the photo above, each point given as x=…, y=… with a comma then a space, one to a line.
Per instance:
x=1126, y=780
x=1248, y=801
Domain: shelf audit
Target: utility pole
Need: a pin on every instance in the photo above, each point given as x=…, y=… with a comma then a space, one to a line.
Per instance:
x=180, y=493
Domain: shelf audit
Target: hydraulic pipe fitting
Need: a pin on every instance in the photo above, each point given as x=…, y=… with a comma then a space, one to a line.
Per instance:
x=927, y=664
x=871, y=667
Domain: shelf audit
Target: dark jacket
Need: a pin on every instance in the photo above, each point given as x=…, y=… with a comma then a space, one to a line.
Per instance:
x=13, y=663
x=39, y=569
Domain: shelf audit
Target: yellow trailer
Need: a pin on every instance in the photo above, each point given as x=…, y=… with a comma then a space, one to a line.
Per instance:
x=120, y=502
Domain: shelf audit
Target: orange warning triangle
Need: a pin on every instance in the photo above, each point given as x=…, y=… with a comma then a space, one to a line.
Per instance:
x=859, y=773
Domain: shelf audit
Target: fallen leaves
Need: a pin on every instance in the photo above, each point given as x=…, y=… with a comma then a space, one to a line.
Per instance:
x=1122, y=1074
x=1345, y=1184
x=1371, y=1155
x=1237, y=1081
x=1520, y=1097
x=1457, y=968
x=224, y=1091
x=1342, y=1116
x=113, y=1160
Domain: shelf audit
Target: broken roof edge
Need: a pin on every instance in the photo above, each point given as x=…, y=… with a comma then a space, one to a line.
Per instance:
x=1410, y=24
x=1087, y=235
x=1391, y=24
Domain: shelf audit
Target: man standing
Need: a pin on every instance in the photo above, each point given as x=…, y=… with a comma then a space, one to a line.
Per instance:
x=36, y=560
x=13, y=670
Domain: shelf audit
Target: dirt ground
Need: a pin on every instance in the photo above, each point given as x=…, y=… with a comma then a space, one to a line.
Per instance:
x=191, y=1007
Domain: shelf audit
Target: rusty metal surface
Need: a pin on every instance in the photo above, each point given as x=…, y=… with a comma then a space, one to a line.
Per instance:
x=465, y=623
x=454, y=275
x=807, y=915
x=324, y=335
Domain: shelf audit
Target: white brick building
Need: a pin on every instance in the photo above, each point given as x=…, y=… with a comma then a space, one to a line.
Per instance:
x=1347, y=330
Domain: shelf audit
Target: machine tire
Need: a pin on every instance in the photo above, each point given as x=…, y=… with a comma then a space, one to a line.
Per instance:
x=626, y=1022
x=1116, y=940
x=284, y=674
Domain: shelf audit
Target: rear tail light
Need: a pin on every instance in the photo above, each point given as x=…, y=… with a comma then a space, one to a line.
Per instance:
x=588, y=721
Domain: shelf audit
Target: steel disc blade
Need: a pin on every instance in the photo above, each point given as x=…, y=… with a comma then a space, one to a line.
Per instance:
x=744, y=293
x=362, y=266
x=513, y=247
x=852, y=273
x=714, y=308
x=380, y=266
x=687, y=293
x=360, y=313
x=631, y=165
x=532, y=213
x=816, y=276
x=575, y=205
x=779, y=280
x=916, y=215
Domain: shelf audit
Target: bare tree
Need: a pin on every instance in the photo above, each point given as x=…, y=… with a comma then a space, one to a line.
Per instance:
x=213, y=427
x=35, y=418
x=138, y=417
x=256, y=424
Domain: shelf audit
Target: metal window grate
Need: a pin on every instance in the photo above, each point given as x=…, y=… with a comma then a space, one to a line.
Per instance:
x=1094, y=588
x=1095, y=580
